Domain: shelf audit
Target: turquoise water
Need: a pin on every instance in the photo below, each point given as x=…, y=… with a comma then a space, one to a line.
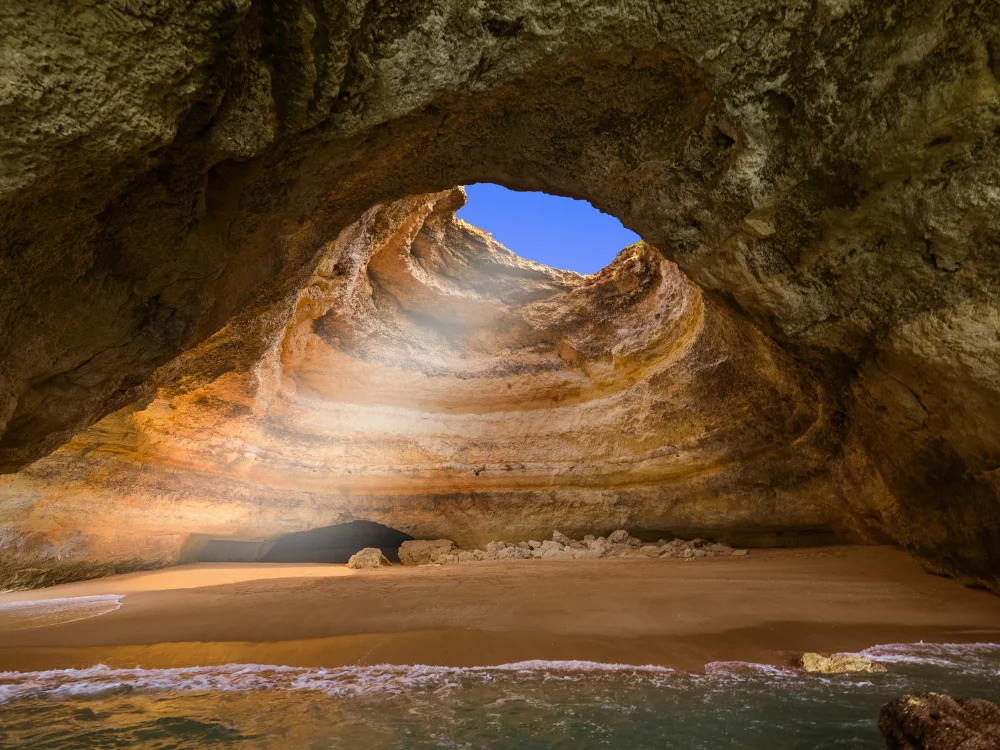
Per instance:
x=530, y=705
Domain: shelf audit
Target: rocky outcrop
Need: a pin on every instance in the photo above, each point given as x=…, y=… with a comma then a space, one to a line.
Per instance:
x=424, y=551
x=838, y=663
x=826, y=170
x=369, y=557
x=935, y=721
x=428, y=379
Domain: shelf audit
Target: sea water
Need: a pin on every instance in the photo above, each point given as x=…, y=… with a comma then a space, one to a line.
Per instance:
x=527, y=705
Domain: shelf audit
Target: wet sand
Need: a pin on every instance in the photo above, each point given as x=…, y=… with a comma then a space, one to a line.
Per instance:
x=767, y=607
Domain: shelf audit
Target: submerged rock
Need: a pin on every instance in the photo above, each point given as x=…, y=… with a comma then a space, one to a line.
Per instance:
x=936, y=721
x=369, y=557
x=838, y=663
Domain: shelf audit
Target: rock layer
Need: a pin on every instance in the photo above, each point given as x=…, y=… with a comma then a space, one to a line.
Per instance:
x=829, y=168
x=428, y=379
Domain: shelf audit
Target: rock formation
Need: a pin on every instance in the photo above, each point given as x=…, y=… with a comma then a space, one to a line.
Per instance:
x=618, y=543
x=827, y=170
x=428, y=379
x=838, y=663
x=369, y=557
x=934, y=721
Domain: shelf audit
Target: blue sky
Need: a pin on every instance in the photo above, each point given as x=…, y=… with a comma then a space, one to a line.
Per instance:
x=559, y=232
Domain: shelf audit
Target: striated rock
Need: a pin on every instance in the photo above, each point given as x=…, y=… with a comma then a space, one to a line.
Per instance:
x=369, y=557
x=422, y=551
x=837, y=663
x=179, y=170
x=935, y=721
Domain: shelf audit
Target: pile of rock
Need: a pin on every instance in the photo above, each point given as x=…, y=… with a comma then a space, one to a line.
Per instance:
x=616, y=544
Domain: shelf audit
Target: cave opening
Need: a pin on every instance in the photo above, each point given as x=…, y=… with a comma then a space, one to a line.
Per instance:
x=555, y=231
x=326, y=544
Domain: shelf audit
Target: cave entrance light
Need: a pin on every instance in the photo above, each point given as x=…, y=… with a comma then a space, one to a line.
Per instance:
x=562, y=233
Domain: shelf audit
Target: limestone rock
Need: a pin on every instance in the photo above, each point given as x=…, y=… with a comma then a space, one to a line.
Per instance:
x=369, y=557
x=837, y=663
x=650, y=550
x=513, y=553
x=179, y=195
x=601, y=546
x=936, y=721
x=561, y=538
x=422, y=551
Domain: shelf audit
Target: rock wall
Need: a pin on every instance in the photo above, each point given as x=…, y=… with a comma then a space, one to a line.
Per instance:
x=829, y=168
x=428, y=379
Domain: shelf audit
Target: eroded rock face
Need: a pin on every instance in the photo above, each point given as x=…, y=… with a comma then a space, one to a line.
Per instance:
x=936, y=721
x=830, y=169
x=428, y=379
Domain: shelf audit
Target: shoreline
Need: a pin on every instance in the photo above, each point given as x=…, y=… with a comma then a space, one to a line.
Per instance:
x=766, y=608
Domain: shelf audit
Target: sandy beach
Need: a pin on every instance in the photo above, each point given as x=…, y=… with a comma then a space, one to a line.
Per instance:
x=767, y=607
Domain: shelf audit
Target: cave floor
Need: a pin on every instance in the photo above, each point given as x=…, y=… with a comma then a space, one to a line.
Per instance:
x=767, y=607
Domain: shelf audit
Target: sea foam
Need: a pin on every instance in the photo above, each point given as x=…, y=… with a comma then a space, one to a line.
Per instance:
x=40, y=612
x=389, y=679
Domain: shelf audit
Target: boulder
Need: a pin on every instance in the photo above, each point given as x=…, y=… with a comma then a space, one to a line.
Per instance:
x=619, y=537
x=601, y=546
x=561, y=538
x=423, y=551
x=553, y=553
x=466, y=556
x=369, y=557
x=534, y=544
x=838, y=663
x=549, y=546
x=513, y=553
x=936, y=721
x=494, y=547
x=650, y=550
